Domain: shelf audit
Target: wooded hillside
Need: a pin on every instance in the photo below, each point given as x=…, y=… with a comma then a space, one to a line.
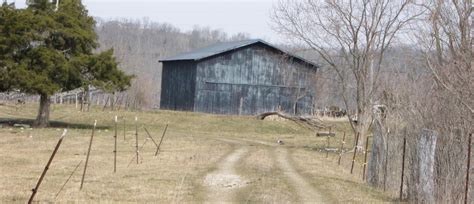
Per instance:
x=139, y=44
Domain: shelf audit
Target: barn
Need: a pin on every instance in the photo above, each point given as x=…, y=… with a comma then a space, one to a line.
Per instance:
x=238, y=78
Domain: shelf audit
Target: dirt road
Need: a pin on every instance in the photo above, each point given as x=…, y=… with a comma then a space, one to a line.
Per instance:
x=223, y=183
x=306, y=192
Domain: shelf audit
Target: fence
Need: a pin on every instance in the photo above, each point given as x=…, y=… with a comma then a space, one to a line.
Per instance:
x=435, y=165
x=78, y=97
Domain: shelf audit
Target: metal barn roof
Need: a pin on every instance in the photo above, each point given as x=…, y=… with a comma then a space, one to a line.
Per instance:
x=219, y=48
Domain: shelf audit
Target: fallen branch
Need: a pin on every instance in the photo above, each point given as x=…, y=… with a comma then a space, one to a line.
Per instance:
x=307, y=122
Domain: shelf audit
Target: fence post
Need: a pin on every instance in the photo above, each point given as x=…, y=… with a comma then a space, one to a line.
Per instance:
x=327, y=147
x=342, y=148
x=424, y=187
x=365, y=157
x=328, y=143
x=385, y=168
x=161, y=140
x=136, y=136
x=35, y=190
x=115, y=146
x=403, y=167
x=468, y=167
x=149, y=136
x=88, y=153
x=123, y=128
x=355, y=151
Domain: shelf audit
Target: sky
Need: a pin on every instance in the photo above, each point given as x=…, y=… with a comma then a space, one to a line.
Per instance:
x=231, y=16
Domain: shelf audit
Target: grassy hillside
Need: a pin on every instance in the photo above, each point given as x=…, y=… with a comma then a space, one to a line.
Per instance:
x=194, y=145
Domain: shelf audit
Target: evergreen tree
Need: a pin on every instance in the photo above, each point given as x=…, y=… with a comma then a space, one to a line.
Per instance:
x=46, y=49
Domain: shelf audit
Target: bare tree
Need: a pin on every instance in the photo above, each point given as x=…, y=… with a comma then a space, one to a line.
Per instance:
x=431, y=87
x=447, y=46
x=352, y=38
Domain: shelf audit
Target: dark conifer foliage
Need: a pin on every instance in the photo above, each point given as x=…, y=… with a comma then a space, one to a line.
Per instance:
x=45, y=49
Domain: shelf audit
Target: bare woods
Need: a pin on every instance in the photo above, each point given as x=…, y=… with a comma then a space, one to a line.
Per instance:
x=405, y=67
x=139, y=44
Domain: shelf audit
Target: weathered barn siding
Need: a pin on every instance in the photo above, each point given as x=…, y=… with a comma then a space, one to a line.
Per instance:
x=178, y=85
x=252, y=80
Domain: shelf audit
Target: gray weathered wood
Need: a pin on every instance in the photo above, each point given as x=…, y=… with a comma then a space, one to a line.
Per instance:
x=246, y=81
x=426, y=146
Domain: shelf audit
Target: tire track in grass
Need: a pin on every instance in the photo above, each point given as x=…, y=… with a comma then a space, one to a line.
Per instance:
x=306, y=192
x=222, y=183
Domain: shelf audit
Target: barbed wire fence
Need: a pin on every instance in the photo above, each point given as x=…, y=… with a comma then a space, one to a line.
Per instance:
x=435, y=165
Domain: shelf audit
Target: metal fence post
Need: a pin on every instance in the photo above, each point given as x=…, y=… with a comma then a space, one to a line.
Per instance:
x=365, y=158
x=88, y=153
x=115, y=146
x=35, y=190
x=355, y=151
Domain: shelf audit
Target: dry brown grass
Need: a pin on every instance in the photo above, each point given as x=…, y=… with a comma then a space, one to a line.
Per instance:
x=189, y=151
x=267, y=185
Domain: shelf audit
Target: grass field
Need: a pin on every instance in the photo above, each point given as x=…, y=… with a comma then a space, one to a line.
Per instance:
x=195, y=146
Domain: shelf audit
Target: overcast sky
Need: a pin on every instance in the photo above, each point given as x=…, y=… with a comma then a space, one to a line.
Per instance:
x=231, y=16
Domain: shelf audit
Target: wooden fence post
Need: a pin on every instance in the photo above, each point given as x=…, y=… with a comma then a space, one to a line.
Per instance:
x=403, y=167
x=328, y=143
x=35, y=190
x=468, y=167
x=365, y=158
x=327, y=147
x=88, y=153
x=355, y=151
x=385, y=167
x=136, y=136
x=342, y=148
x=424, y=167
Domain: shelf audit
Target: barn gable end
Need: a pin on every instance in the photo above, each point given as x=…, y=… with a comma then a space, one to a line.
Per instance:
x=178, y=85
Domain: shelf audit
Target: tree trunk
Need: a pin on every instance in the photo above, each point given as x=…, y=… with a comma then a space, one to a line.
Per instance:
x=42, y=120
x=361, y=126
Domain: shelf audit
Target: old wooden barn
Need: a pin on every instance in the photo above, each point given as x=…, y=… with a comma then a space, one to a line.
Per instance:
x=242, y=78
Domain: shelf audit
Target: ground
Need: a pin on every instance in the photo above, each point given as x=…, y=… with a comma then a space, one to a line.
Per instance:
x=203, y=158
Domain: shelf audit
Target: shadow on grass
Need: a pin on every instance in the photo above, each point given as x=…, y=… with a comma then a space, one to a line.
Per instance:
x=52, y=123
